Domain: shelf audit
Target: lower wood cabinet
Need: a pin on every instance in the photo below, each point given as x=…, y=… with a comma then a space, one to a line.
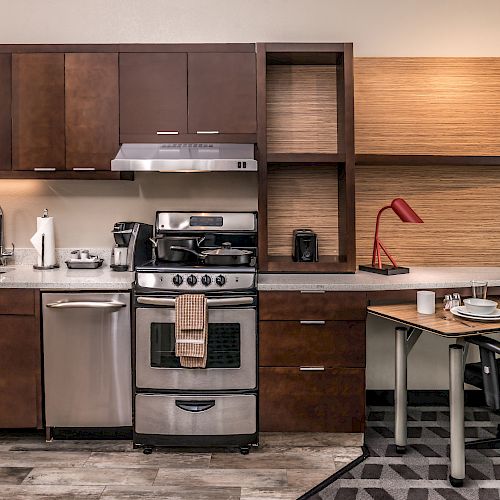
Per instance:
x=331, y=400
x=312, y=358
x=20, y=360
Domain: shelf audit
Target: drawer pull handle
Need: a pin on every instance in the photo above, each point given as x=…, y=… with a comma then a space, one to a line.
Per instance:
x=201, y=132
x=312, y=368
x=194, y=406
x=167, y=132
x=312, y=291
x=44, y=169
x=312, y=322
x=84, y=169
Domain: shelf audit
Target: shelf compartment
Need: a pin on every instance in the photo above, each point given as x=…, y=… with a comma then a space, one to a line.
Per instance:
x=302, y=198
x=301, y=109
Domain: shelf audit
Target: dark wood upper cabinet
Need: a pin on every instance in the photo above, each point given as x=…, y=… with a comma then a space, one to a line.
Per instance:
x=153, y=95
x=222, y=93
x=38, y=111
x=92, y=114
x=5, y=116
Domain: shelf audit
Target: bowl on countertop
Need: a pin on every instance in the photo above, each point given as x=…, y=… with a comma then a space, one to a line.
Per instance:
x=480, y=306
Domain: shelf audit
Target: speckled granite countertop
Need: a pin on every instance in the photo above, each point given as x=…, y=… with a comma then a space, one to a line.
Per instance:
x=417, y=278
x=24, y=276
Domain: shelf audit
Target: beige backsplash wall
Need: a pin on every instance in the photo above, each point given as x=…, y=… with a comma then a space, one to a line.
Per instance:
x=85, y=211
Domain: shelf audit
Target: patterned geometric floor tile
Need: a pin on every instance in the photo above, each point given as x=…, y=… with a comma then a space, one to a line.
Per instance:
x=422, y=473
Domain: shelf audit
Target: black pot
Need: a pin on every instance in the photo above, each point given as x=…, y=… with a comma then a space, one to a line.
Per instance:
x=224, y=256
x=171, y=248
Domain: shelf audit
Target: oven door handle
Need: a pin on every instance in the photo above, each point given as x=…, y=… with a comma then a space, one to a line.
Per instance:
x=194, y=406
x=227, y=301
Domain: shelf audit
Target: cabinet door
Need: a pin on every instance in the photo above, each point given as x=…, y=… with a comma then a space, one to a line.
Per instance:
x=153, y=95
x=91, y=86
x=291, y=400
x=5, y=117
x=19, y=371
x=38, y=111
x=222, y=93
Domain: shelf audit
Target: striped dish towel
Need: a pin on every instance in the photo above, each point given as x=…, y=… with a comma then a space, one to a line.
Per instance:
x=191, y=330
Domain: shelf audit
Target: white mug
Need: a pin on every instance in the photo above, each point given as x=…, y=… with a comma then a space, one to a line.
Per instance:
x=426, y=302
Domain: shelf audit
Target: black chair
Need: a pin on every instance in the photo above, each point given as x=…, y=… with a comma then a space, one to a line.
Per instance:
x=486, y=376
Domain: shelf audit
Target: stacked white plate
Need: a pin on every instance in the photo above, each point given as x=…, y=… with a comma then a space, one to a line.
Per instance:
x=462, y=312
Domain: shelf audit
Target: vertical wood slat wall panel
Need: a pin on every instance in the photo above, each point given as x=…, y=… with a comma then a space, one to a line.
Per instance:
x=432, y=106
x=301, y=109
x=461, y=212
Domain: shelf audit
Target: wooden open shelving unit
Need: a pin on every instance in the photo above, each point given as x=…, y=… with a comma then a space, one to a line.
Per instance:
x=305, y=149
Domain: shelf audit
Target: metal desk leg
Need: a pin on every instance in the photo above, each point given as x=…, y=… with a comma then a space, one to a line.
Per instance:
x=400, y=390
x=406, y=338
x=457, y=438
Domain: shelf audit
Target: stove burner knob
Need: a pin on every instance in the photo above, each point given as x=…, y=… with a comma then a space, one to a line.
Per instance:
x=177, y=280
x=220, y=280
x=206, y=280
x=192, y=280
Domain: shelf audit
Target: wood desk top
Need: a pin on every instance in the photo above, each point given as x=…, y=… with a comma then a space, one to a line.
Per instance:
x=441, y=323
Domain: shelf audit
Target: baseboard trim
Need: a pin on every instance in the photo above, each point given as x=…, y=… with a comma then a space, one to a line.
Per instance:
x=423, y=398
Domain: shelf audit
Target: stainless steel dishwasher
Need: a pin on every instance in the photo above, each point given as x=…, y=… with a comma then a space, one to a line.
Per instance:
x=87, y=360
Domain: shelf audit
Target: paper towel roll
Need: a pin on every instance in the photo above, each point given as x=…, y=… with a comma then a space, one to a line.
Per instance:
x=45, y=233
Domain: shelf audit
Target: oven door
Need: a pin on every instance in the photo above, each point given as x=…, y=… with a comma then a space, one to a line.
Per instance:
x=231, y=358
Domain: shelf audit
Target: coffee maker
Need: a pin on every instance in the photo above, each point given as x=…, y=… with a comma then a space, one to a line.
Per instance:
x=133, y=246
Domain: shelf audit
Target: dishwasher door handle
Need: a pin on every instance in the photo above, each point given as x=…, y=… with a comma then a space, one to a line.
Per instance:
x=81, y=304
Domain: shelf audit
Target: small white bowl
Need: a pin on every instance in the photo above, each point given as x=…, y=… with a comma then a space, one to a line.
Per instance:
x=480, y=306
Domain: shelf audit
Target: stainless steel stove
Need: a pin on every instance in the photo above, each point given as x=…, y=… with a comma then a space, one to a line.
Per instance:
x=216, y=405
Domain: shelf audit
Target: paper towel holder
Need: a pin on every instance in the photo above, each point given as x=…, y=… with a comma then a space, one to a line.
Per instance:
x=43, y=266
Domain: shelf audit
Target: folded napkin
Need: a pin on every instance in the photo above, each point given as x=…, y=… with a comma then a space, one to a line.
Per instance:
x=191, y=330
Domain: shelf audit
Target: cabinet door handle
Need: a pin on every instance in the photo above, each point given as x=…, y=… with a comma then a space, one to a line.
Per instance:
x=312, y=368
x=84, y=169
x=207, y=132
x=44, y=169
x=312, y=291
x=312, y=322
x=167, y=132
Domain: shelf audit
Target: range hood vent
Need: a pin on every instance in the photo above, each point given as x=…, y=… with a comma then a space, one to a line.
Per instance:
x=184, y=158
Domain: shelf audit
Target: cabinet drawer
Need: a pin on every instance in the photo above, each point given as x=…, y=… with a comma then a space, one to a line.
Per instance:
x=332, y=400
x=304, y=306
x=330, y=344
x=17, y=301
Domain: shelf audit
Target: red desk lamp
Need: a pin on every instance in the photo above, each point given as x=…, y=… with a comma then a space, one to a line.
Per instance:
x=406, y=214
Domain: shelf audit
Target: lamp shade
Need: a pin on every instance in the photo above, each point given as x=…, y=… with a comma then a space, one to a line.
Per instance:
x=405, y=212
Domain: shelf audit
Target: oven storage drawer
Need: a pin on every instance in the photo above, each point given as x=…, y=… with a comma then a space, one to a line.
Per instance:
x=205, y=415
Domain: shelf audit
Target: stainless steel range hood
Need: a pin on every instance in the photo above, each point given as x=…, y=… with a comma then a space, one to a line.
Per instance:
x=185, y=158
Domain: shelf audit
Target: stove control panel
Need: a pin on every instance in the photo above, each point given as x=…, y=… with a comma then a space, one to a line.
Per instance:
x=192, y=281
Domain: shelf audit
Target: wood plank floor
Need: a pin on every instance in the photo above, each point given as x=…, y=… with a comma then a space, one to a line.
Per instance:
x=283, y=467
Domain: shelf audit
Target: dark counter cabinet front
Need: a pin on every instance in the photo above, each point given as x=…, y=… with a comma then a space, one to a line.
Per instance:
x=312, y=361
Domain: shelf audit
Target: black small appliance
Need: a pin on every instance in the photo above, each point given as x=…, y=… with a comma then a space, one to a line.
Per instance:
x=133, y=245
x=305, y=246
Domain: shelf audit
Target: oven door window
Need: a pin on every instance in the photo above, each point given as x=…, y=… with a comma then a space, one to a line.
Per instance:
x=224, y=345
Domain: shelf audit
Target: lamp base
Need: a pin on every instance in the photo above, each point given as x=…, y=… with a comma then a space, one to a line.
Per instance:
x=386, y=269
